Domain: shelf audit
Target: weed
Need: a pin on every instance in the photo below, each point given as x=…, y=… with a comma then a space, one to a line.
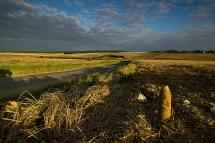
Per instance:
x=128, y=70
x=88, y=80
x=92, y=79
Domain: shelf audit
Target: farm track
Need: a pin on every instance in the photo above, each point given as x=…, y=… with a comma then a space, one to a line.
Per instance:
x=12, y=87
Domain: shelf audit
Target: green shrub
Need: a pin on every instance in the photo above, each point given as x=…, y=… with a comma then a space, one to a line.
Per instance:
x=94, y=78
x=104, y=77
x=128, y=70
x=89, y=79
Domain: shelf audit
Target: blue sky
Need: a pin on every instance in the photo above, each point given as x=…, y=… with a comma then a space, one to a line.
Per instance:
x=107, y=24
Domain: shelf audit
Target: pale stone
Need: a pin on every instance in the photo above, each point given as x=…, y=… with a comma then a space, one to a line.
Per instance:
x=141, y=97
x=186, y=102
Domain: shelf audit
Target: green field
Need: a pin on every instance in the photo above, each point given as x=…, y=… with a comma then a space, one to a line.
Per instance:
x=29, y=64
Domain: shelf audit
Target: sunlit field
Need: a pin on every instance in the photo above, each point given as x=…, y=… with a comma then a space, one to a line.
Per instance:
x=21, y=64
x=33, y=64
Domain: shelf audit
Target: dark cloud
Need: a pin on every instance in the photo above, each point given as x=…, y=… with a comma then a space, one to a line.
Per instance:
x=189, y=39
x=42, y=23
x=24, y=25
x=8, y=6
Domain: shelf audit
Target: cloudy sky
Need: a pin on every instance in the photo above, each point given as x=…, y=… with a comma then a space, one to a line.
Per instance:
x=45, y=25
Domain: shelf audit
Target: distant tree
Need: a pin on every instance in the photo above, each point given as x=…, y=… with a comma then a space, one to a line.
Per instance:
x=211, y=51
x=197, y=51
x=172, y=51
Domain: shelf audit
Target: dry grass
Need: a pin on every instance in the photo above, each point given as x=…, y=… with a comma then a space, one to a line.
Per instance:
x=50, y=117
x=53, y=114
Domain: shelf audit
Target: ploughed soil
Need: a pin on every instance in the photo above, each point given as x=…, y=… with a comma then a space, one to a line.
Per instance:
x=106, y=108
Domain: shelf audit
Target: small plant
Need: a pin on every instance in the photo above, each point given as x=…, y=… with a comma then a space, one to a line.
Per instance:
x=128, y=70
x=88, y=80
x=104, y=77
x=94, y=78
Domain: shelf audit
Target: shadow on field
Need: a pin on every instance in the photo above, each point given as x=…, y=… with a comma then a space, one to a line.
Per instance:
x=121, y=118
x=5, y=73
x=182, y=79
x=194, y=84
x=11, y=88
x=110, y=112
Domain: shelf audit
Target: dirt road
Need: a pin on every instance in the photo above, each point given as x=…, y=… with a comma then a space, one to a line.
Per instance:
x=12, y=87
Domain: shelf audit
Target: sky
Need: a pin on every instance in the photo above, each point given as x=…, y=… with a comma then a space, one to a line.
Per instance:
x=137, y=25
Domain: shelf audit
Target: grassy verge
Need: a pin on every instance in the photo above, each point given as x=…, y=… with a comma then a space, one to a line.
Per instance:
x=24, y=65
